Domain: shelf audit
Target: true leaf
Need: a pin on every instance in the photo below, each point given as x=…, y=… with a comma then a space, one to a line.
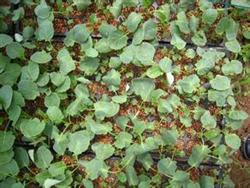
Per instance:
x=55, y=114
x=67, y=64
x=79, y=142
x=233, y=141
x=5, y=40
x=199, y=153
x=31, y=127
x=232, y=67
x=123, y=139
x=143, y=87
x=167, y=166
x=41, y=57
x=103, y=151
x=6, y=94
x=133, y=21
x=145, y=53
x=208, y=121
x=43, y=157
x=105, y=109
x=6, y=140
x=220, y=83
x=117, y=40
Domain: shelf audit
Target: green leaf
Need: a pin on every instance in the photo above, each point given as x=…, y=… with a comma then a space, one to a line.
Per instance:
x=209, y=16
x=106, y=29
x=199, y=153
x=89, y=65
x=145, y=53
x=133, y=21
x=82, y=4
x=181, y=177
x=102, y=46
x=75, y=107
x=138, y=37
x=233, y=46
x=169, y=104
x=143, y=87
x=55, y=114
x=123, y=140
x=169, y=136
x=43, y=157
x=28, y=89
x=79, y=142
x=67, y=64
x=5, y=40
x=91, y=52
x=206, y=182
x=61, y=143
x=233, y=140
x=167, y=166
x=163, y=13
x=105, y=109
x=154, y=71
x=43, y=79
x=95, y=168
x=48, y=183
x=52, y=100
x=199, y=38
x=31, y=128
x=113, y=77
x=166, y=65
x=178, y=42
x=57, y=169
x=31, y=71
x=6, y=157
x=9, y=169
x=128, y=54
x=43, y=10
x=15, y=50
x=10, y=74
x=116, y=7
x=188, y=84
x=232, y=67
x=208, y=121
x=117, y=40
x=45, y=30
x=98, y=128
x=120, y=99
x=6, y=94
x=22, y=157
x=149, y=29
x=6, y=140
x=57, y=78
x=219, y=96
x=182, y=22
x=146, y=160
x=103, y=151
x=132, y=176
x=220, y=83
x=245, y=4
x=156, y=94
x=238, y=115
x=80, y=33
x=41, y=57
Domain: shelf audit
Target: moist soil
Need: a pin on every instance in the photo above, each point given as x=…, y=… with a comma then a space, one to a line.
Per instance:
x=240, y=172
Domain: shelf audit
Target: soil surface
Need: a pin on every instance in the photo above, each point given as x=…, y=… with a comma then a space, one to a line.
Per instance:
x=240, y=172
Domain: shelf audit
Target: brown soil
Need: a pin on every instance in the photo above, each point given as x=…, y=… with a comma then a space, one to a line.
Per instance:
x=240, y=172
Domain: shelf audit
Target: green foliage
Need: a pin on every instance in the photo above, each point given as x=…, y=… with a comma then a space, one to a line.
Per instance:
x=31, y=127
x=117, y=93
x=41, y=57
x=143, y=87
